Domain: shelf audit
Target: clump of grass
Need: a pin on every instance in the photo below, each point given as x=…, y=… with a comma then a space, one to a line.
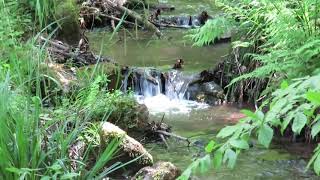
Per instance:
x=34, y=142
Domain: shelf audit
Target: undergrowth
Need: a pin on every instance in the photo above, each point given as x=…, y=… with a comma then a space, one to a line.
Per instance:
x=281, y=46
x=35, y=141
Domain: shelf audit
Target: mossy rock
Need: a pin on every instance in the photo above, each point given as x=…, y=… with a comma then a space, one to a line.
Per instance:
x=160, y=171
x=130, y=148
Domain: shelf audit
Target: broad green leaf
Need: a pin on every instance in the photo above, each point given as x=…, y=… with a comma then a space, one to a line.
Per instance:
x=239, y=143
x=250, y=114
x=315, y=129
x=227, y=131
x=259, y=114
x=265, y=135
x=210, y=146
x=45, y=178
x=313, y=158
x=286, y=121
x=217, y=159
x=245, y=136
x=205, y=163
x=316, y=165
x=299, y=122
x=231, y=157
x=313, y=97
x=315, y=155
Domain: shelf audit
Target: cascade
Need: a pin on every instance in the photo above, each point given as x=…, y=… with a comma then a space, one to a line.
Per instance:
x=161, y=91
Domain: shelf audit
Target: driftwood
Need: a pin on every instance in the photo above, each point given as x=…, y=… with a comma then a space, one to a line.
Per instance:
x=95, y=12
x=164, y=140
x=174, y=136
x=136, y=16
x=61, y=53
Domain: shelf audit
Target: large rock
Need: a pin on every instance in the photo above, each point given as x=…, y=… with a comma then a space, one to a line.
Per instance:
x=207, y=92
x=129, y=147
x=134, y=118
x=160, y=171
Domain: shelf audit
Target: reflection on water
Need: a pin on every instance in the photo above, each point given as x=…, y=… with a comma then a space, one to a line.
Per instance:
x=163, y=53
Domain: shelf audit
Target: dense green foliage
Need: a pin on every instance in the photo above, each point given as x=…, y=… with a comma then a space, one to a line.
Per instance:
x=35, y=141
x=285, y=36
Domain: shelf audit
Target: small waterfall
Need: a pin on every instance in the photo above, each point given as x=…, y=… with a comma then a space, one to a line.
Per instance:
x=160, y=91
x=176, y=84
x=146, y=82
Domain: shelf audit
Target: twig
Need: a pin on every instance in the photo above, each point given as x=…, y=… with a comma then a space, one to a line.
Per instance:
x=116, y=19
x=164, y=140
x=162, y=117
x=174, y=135
x=136, y=16
x=57, y=45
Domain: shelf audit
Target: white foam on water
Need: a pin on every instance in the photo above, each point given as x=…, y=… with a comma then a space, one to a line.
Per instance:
x=163, y=104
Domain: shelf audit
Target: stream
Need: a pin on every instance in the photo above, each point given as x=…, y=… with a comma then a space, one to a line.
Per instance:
x=197, y=121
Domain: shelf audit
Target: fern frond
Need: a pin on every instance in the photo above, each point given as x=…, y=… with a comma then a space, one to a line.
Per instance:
x=213, y=29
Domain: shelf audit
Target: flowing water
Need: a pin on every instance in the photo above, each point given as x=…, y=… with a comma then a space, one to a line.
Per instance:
x=194, y=120
x=202, y=125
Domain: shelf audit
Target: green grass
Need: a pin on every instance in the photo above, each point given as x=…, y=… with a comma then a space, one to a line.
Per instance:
x=35, y=141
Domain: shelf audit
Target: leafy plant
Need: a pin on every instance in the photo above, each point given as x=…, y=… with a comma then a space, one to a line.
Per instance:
x=212, y=30
x=295, y=105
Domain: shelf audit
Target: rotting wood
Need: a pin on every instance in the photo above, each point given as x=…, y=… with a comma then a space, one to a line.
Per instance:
x=164, y=140
x=136, y=16
x=174, y=136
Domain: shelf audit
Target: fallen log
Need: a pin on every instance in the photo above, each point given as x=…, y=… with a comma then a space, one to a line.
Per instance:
x=174, y=136
x=164, y=140
x=95, y=12
x=56, y=44
x=136, y=16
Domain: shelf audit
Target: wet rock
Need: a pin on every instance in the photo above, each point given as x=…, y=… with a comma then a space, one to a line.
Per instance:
x=142, y=117
x=129, y=147
x=134, y=119
x=207, y=92
x=160, y=171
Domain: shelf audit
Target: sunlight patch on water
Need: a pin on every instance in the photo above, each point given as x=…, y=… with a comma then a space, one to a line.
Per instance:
x=163, y=104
